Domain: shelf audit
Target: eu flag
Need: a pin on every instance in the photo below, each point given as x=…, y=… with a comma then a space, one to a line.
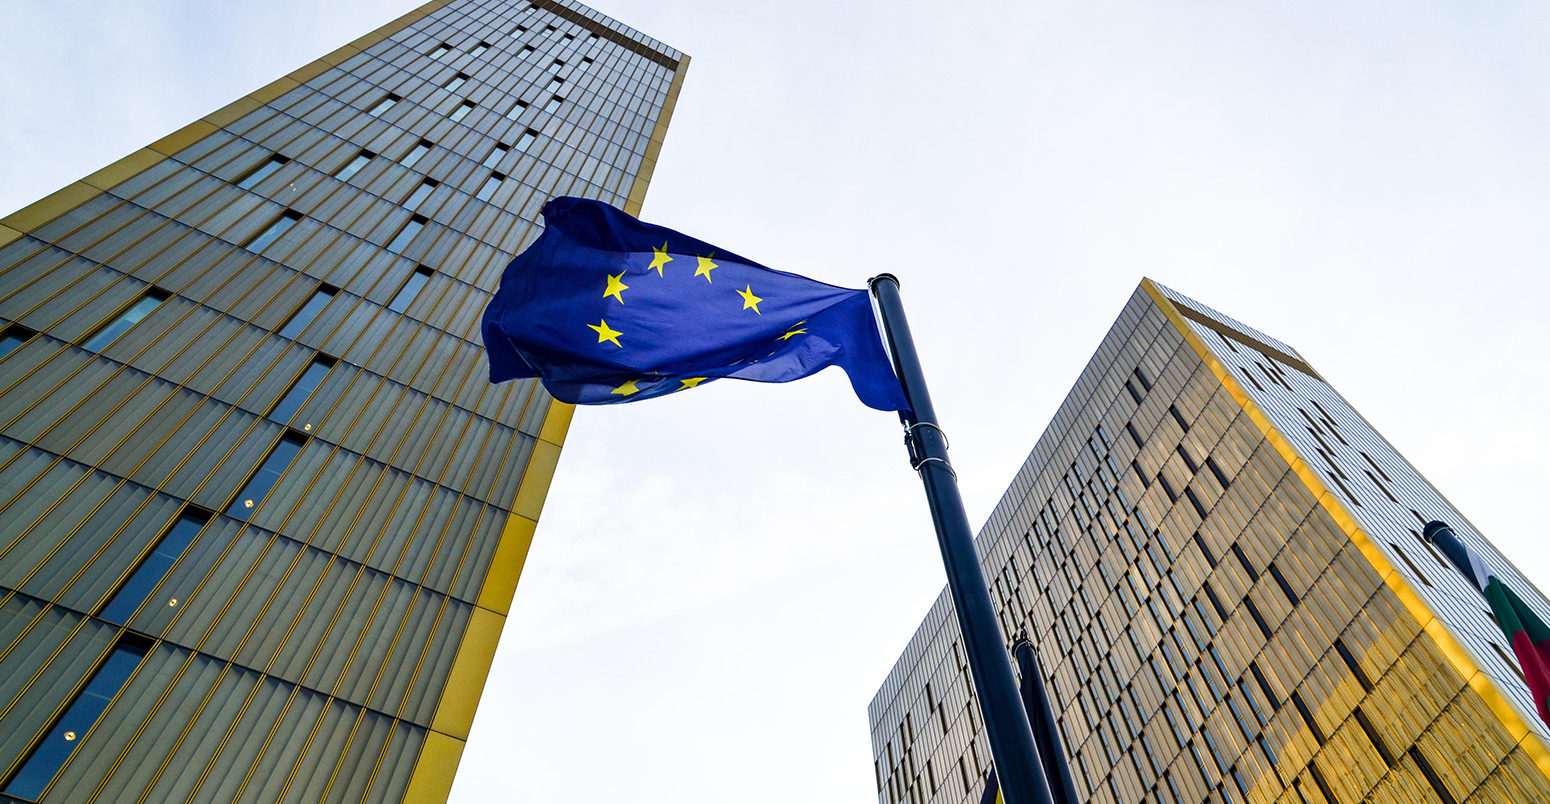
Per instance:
x=605, y=308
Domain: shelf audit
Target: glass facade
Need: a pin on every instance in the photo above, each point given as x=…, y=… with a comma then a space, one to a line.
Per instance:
x=261, y=514
x=1220, y=564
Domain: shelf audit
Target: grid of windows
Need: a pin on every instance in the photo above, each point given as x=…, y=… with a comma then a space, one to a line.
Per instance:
x=1291, y=668
x=278, y=459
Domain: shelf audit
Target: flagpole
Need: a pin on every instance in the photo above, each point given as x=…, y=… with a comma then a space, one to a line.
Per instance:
x=1006, y=724
x=1046, y=734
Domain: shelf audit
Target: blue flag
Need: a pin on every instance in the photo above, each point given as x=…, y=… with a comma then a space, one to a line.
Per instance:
x=605, y=308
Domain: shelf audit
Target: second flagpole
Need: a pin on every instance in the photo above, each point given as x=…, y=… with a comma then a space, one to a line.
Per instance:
x=1006, y=725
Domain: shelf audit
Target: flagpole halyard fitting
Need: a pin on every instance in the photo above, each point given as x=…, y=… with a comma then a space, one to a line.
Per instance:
x=1018, y=769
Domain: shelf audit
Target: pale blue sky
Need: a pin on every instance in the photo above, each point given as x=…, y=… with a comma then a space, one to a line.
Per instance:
x=722, y=579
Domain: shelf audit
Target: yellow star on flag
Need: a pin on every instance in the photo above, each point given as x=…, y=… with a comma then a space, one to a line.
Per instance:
x=792, y=334
x=706, y=266
x=659, y=258
x=615, y=285
x=605, y=333
x=626, y=389
x=690, y=382
x=750, y=301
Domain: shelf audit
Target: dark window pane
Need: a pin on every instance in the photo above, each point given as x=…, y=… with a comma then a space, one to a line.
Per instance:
x=496, y=154
x=272, y=232
x=490, y=186
x=462, y=110
x=12, y=338
x=300, y=391
x=516, y=109
x=554, y=104
x=308, y=311
x=384, y=105
x=118, y=326
x=78, y=718
x=261, y=172
x=420, y=149
x=526, y=139
x=354, y=165
x=441, y=50
x=479, y=49
x=267, y=475
x=422, y=192
x=406, y=234
x=153, y=568
x=410, y=289
x=455, y=82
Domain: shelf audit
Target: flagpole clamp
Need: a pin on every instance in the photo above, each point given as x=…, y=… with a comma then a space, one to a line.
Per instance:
x=909, y=432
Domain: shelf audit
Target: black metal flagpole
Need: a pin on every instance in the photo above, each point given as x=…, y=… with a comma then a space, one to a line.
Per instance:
x=1052, y=754
x=1006, y=724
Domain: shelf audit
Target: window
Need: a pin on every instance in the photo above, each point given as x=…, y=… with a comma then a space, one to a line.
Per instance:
x=272, y=232
x=412, y=287
x=1443, y=794
x=553, y=105
x=406, y=235
x=519, y=29
x=50, y=754
x=1286, y=588
x=384, y=105
x=585, y=63
x=567, y=38
x=516, y=110
x=1194, y=502
x=268, y=473
x=527, y=50
x=421, y=192
x=1134, y=394
x=1179, y=418
x=154, y=566
x=490, y=186
x=301, y=390
x=354, y=165
x=1134, y=436
x=420, y=149
x=308, y=310
x=527, y=139
x=12, y=337
x=1244, y=560
x=440, y=50
x=1146, y=385
x=110, y=331
x=462, y=110
x=550, y=29
x=496, y=154
x=261, y=172
x=1216, y=471
x=555, y=65
x=555, y=83
x=454, y=82
x=479, y=49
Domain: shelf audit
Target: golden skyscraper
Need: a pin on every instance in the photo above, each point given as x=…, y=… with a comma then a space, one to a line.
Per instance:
x=261, y=514
x=1221, y=565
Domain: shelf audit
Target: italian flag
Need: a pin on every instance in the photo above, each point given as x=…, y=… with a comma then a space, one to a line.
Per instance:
x=1529, y=635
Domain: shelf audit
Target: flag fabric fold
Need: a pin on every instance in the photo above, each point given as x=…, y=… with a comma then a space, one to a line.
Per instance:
x=604, y=308
x=1529, y=635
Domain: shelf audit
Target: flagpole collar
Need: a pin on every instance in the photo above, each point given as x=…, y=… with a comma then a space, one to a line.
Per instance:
x=872, y=283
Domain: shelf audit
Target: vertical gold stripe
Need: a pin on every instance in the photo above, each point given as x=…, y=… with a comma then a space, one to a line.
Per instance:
x=1413, y=603
x=648, y=163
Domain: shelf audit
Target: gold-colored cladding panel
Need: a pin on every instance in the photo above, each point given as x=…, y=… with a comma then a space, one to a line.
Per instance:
x=431, y=780
x=648, y=163
x=1413, y=603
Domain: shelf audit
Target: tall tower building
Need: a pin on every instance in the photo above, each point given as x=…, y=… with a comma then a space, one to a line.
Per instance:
x=261, y=514
x=1220, y=563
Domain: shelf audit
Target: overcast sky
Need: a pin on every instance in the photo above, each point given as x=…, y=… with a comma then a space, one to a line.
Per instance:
x=722, y=579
